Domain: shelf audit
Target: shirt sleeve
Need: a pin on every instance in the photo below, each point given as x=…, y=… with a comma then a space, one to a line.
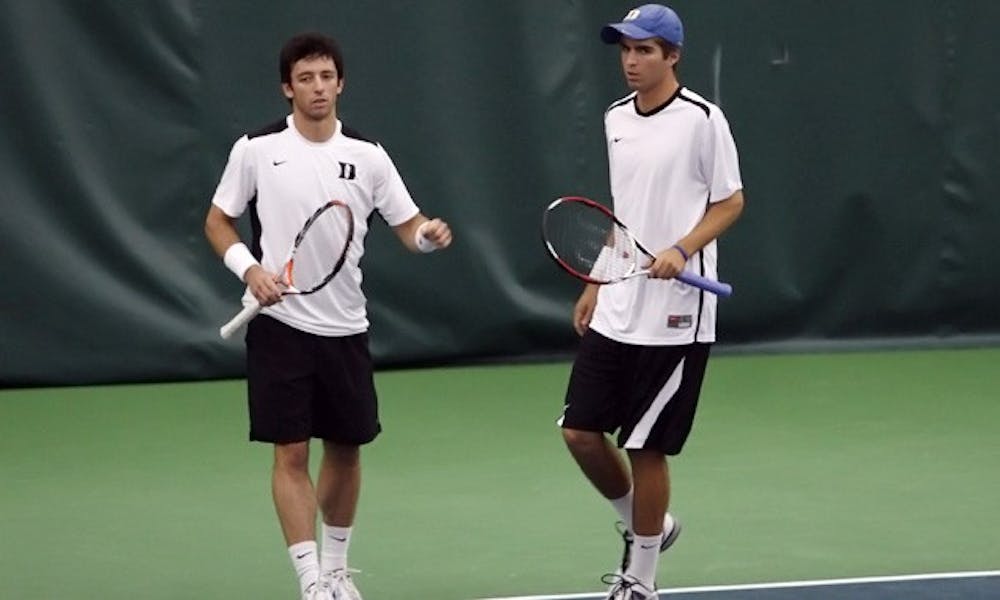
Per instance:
x=719, y=160
x=237, y=185
x=392, y=199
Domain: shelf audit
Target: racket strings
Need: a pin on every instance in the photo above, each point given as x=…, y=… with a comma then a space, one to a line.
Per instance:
x=589, y=242
x=616, y=257
x=320, y=249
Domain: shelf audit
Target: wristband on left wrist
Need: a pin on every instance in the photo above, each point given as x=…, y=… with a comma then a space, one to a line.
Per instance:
x=683, y=252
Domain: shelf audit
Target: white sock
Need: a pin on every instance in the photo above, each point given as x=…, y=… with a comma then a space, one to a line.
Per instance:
x=623, y=506
x=645, y=555
x=305, y=562
x=335, y=543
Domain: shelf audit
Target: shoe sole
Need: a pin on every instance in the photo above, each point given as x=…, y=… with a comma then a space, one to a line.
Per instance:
x=671, y=537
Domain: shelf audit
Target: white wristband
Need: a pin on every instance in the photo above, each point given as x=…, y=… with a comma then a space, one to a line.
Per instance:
x=238, y=259
x=423, y=244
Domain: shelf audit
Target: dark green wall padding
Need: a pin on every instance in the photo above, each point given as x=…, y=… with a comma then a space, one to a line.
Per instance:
x=868, y=131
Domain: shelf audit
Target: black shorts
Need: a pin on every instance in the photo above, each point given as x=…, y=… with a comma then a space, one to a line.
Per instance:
x=647, y=393
x=303, y=386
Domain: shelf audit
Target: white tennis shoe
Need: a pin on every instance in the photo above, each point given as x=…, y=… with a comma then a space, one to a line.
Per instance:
x=318, y=591
x=341, y=585
x=626, y=587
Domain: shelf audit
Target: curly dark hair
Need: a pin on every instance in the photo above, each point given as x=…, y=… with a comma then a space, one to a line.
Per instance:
x=309, y=45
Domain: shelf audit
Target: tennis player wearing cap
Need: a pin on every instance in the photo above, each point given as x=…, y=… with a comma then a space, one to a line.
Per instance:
x=675, y=182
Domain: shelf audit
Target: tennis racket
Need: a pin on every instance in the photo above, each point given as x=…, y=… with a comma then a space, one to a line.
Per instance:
x=586, y=240
x=317, y=254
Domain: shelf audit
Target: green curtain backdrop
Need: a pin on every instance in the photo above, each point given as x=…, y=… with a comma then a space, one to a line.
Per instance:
x=868, y=131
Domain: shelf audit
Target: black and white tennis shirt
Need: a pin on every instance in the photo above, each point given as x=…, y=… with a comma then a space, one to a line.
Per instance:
x=666, y=167
x=282, y=177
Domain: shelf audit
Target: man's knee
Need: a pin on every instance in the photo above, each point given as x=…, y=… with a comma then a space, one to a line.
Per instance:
x=342, y=455
x=580, y=441
x=291, y=457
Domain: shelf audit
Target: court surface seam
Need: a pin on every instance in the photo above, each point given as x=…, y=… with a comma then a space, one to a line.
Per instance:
x=775, y=585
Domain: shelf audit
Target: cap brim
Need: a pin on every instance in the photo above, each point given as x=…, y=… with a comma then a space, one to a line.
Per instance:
x=612, y=34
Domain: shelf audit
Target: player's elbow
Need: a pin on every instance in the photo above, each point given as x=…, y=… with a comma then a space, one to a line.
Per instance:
x=220, y=230
x=737, y=201
x=733, y=205
x=215, y=221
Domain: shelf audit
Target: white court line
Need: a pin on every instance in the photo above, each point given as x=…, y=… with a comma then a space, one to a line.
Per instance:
x=779, y=584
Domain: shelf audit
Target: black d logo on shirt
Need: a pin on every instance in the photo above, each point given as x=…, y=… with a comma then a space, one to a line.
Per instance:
x=347, y=170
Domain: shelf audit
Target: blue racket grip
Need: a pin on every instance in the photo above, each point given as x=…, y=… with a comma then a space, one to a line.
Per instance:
x=719, y=288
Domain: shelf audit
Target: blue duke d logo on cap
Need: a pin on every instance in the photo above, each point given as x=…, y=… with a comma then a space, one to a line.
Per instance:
x=644, y=22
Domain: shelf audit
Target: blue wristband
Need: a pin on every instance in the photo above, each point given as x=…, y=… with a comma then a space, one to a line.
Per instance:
x=681, y=250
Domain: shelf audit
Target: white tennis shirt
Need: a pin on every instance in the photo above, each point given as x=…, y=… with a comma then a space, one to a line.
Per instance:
x=666, y=167
x=283, y=178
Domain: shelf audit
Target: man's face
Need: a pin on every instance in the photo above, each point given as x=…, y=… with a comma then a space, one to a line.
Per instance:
x=644, y=64
x=314, y=88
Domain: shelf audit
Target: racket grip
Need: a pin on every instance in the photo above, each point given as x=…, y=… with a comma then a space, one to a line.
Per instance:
x=241, y=319
x=719, y=288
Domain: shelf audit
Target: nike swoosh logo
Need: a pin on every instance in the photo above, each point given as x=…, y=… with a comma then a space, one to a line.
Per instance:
x=645, y=547
x=343, y=539
x=616, y=140
x=279, y=162
x=303, y=555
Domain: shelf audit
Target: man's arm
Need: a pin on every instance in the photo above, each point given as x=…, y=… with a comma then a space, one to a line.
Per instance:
x=718, y=218
x=420, y=234
x=220, y=229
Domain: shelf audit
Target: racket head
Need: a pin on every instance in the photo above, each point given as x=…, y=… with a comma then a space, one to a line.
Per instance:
x=588, y=242
x=320, y=248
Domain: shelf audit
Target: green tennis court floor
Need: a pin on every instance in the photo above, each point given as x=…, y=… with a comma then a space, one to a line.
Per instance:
x=801, y=467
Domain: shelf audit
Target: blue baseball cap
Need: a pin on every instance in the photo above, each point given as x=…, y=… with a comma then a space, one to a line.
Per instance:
x=647, y=21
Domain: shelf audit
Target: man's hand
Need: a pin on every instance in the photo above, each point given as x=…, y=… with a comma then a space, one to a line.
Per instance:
x=584, y=309
x=264, y=286
x=668, y=264
x=436, y=232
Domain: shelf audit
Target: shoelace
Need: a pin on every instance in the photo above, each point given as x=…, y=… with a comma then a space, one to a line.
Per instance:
x=313, y=588
x=619, y=585
x=627, y=539
x=343, y=573
x=338, y=577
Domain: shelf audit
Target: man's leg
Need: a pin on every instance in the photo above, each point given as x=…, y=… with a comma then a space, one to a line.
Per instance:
x=590, y=411
x=338, y=489
x=600, y=461
x=339, y=484
x=651, y=478
x=604, y=467
x=294, y=496
x=295, y=503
